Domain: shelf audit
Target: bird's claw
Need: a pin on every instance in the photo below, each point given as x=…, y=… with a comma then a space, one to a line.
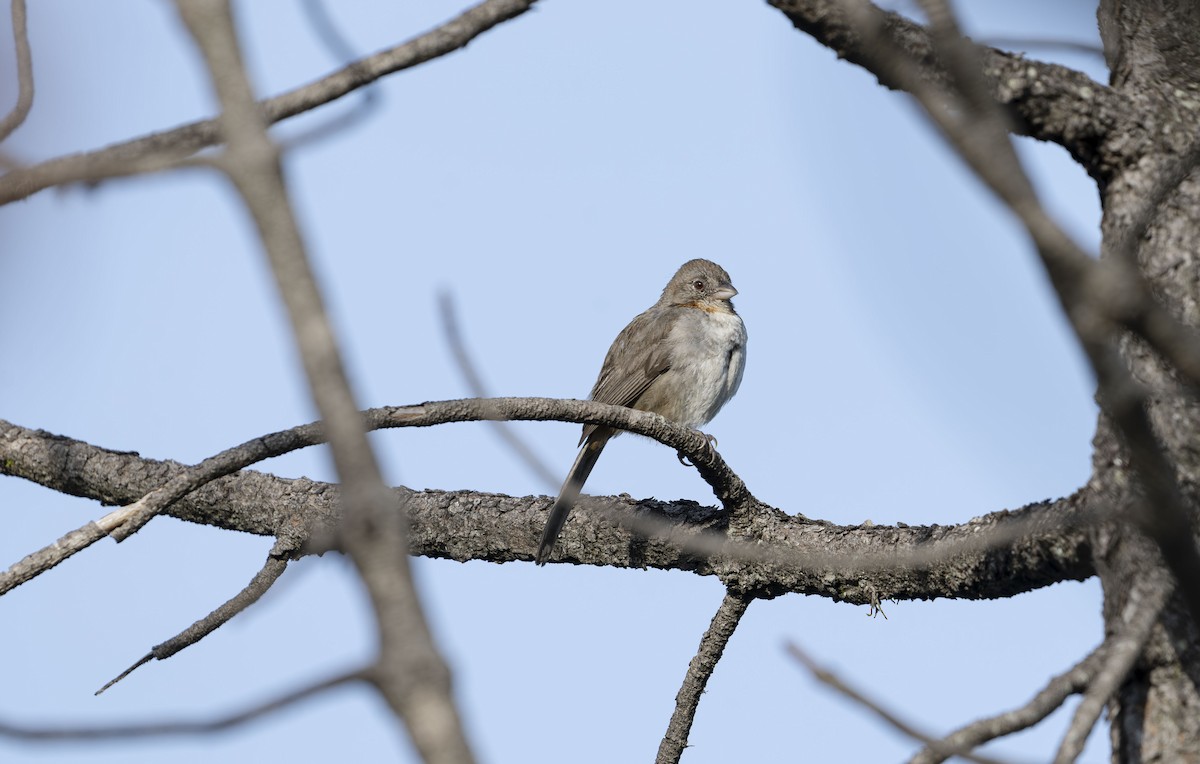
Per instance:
x=710, y=440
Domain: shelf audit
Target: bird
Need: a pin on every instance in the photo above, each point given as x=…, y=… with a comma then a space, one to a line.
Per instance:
x=682, y=358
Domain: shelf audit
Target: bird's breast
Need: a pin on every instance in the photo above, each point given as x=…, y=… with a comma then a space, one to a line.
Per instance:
x=707, y=357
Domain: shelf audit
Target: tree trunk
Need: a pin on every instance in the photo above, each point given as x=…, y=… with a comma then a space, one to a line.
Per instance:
x=1153, y=51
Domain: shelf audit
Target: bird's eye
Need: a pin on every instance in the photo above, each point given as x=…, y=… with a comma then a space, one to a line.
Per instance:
x=698, y=285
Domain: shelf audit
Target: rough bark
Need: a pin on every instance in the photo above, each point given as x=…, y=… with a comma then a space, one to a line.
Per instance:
x=1045, y=101
x=998, y=555
x=1153, y=49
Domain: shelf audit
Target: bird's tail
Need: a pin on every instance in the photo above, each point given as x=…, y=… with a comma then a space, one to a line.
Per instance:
x=569, y=492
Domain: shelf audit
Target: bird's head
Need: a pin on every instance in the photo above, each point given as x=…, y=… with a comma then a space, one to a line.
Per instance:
x=700, y=284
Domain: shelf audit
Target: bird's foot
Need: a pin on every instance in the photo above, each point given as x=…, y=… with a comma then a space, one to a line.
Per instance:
x=711, y=440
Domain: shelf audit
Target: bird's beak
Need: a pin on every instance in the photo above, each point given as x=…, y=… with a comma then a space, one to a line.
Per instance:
x=726, y=292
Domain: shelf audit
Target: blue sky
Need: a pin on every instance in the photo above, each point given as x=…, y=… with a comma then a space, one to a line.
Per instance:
x=906, y=362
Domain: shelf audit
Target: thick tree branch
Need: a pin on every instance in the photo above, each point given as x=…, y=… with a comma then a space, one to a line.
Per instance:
x=122, y=523
x=45, y=458
x=164, y=149
x=701, y=667
x=998, y=555
x=1150, y=47
x=1050, y=102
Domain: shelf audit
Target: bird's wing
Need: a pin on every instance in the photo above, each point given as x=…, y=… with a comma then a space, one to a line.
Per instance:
x=637, y=357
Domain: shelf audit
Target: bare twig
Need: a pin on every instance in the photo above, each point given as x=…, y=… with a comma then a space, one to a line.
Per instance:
x=1141, y=613
x=330, y=36
x=36, y=563
x=20, y=111
x=1049, y=699
x=165, y=148
x=266, y=577
x=701, y=667
x=831, y=680
x=68, y=733
x=326, y=30
x=458, y=348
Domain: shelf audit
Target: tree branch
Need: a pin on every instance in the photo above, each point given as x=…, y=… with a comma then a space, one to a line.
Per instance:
x=724, y=481
x=831, y=680
x=266, y=577
x=166, y=148
x=1050, y=43
x=1141, y=613
x=409, y=672
x=1052, y=103
x=1033, y=547
x=1046, y=702
x=36, y=563
x=122, y=523
x=67, y=733
x=1088, y=291
x=701, y=667
x=20, y=110
x=462, y=357
x=371, y=97
x=934, y=67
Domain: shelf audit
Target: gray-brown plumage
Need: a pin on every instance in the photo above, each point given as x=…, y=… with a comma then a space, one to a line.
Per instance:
x=683, y=358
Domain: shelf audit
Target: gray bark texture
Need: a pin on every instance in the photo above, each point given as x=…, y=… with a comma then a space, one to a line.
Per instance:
x=1153, y=51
